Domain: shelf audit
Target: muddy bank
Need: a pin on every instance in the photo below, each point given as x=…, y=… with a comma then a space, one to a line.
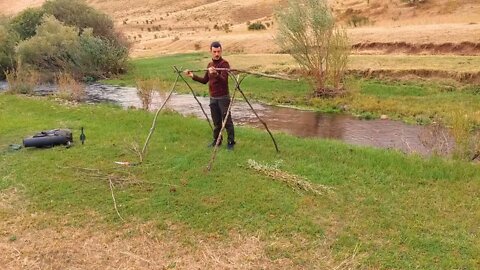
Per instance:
x=463, y=48
x=462, y=77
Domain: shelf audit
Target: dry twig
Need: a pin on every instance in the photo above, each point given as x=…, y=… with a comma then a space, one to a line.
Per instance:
x=113, y=197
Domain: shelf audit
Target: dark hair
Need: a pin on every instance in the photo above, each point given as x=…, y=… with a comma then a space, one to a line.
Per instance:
x=215, y=44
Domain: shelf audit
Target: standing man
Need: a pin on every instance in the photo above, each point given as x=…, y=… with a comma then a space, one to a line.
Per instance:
x=219, y=96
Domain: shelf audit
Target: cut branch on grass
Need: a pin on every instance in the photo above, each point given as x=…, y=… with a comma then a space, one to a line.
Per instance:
x=295, y=182
x=113, y=197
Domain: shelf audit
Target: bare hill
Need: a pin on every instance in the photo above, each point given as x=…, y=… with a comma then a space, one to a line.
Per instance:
x=375, y=26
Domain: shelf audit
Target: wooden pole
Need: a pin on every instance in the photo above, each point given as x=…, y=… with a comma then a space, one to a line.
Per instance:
x=224, y=122
x=278, y=77
x=154, y=123
x=193, y=93
x=237, y=82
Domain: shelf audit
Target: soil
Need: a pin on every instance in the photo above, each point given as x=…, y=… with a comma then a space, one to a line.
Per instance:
x=168, y=26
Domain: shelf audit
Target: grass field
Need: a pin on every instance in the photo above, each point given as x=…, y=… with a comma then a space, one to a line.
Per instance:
x=412, y=101
x=389, y=210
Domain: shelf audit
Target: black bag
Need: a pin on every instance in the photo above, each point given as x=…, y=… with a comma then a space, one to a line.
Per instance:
x=49, y=138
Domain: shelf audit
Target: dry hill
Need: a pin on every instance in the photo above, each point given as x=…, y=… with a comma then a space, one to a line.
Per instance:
x=375, y=26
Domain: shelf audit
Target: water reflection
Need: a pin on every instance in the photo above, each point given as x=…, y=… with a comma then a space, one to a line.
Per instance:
x=377, y=133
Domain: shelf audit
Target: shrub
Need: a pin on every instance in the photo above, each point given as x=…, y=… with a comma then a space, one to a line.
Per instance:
x=307, y=32
x=53, y=48
x=70, y=37
x=57, y=47
x=22, y=81
x=69, y=88
x=467, y=139
x=145, y=90
x=99, y=57
x=8, y=41
x=78, y=14
x=257, y=26
x=358, y=20
x=339, y=50
x=26, y=23
x=197, y=46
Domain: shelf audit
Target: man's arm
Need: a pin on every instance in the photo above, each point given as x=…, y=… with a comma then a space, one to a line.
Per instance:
x=203, y=80
x=223, y=74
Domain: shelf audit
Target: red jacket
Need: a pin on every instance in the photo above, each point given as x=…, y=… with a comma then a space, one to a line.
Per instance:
x=217, y=83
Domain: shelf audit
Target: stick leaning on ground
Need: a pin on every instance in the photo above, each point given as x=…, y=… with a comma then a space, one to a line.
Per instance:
x=237, y=82
x=154, y=123
x=193, y=93
x=224, y=122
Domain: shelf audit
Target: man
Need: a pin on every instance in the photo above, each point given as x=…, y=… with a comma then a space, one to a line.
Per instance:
x=219, y=96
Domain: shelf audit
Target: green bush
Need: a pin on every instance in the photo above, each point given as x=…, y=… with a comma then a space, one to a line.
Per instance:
x=100, y=57
x=78, y=14
x=58, y=47
x=8, y=41
x=53, y=48
x=66, y=36
x=256, y=26
x=26, y=23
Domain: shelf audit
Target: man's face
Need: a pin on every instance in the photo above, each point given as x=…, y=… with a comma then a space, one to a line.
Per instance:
x=216, y=53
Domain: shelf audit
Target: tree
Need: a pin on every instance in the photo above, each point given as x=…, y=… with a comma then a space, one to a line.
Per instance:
x=53, y=48
x=307, y=32
x=26, y=23
x=78, y=14
x=8, y=41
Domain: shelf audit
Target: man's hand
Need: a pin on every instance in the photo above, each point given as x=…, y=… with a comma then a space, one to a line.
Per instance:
x=212, y=70
x=188, y=73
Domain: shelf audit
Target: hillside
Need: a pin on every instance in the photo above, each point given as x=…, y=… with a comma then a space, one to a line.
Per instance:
x=166, y=26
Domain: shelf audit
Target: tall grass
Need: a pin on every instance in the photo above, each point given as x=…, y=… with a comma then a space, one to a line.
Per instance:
x=22, y=81
x=69, y=88
x=146, y=89
x=467, y=139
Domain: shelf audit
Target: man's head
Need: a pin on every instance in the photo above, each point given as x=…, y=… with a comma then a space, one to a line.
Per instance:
x=216, y=50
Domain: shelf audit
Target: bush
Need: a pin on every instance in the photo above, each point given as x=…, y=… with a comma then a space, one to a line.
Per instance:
x=358, y=20
x=145, y=90
x=70, y=37
x=53, y=48
x=8, y=41
x=26, y=23
x=57, y=47
x=257, y=26
x=100, y=57
x=69, y=88
x=308, y=33
x=22, y=81
x=77, y=13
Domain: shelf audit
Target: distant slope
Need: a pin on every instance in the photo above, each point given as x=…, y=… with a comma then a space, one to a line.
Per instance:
x=375, y=26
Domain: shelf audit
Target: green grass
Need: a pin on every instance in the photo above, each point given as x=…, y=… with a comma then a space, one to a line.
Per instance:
x=414, y=102
x=401, y=212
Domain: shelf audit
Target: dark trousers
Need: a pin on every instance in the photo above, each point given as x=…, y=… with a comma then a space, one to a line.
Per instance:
x=218, y=109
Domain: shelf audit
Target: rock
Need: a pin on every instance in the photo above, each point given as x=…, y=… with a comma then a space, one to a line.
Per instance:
x=384, y=117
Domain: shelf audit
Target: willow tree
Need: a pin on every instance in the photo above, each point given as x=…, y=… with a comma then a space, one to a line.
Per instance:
x=307, y=31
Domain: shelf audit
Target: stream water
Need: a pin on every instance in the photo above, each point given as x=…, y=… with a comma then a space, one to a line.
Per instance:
x=376, y=133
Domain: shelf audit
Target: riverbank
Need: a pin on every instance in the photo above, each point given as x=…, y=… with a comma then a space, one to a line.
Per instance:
x=387, y=209
x=413, y=101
